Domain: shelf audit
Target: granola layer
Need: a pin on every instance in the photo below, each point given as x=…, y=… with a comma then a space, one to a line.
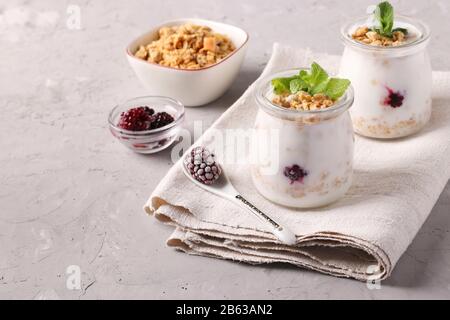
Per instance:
x=303, y=101
x=369, y=37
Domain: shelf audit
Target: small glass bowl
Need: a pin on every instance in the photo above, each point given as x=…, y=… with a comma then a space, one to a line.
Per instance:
x=148, y=141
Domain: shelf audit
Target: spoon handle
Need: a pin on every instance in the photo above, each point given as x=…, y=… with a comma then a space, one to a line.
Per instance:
x=283, y=234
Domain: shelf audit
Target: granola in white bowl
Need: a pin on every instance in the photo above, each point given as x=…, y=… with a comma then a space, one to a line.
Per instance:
x=187, y=46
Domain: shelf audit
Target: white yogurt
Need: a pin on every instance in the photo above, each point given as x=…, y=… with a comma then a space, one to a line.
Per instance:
x=392, y=84
x=318, y=146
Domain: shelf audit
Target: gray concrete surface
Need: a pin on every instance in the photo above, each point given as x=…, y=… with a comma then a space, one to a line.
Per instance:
x=71, y=195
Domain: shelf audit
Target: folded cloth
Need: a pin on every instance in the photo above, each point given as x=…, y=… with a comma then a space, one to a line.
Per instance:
x=395, y=185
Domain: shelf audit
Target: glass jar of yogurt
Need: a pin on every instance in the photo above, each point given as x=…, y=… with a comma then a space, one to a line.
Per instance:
x=312, y=162
x=392, y=83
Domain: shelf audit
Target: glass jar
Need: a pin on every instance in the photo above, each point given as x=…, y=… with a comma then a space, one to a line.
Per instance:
x=392, y=84
x=311, y=163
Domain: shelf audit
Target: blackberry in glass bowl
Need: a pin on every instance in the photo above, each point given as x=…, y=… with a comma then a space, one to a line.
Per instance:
x=147, y=124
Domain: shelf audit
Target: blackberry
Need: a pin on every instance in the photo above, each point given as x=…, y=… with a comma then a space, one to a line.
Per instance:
x=295, y=173
x=201, y=164
x=136, y=119
x=161, y=119
x=394, y=98
x=149, y=110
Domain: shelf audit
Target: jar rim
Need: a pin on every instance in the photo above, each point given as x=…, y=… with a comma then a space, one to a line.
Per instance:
x=264, y=85
x=423, y=28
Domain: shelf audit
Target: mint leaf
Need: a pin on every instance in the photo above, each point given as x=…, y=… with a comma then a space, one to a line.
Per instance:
x=302, y=73
x=282, y=85
x=336, y=88
x=320, y=88
x=297, y=85
x=316, y=76
x=318, y=73
x=384, y=13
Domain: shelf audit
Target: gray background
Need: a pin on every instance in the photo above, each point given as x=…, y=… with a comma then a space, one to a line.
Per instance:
x=72, y=195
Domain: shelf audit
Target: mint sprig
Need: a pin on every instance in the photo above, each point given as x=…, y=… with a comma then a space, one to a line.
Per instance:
x=313, y=82
x=384, y=13
x=317, y=76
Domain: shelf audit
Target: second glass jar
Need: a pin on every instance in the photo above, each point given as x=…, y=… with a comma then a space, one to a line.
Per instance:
x=392, y=84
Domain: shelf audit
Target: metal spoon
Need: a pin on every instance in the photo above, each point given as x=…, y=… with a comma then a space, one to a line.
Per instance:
x=223, y=188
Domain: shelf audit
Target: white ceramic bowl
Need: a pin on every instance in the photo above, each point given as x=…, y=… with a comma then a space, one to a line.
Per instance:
x=191, y=87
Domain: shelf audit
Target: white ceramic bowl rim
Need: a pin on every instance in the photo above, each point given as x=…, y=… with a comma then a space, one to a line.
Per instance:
x=178, y=120
x=186, y=20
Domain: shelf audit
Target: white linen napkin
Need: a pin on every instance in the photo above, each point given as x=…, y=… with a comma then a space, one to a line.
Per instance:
x=396, y=184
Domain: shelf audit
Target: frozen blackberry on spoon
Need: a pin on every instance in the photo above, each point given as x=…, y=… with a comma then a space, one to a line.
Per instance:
x=202, y=165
